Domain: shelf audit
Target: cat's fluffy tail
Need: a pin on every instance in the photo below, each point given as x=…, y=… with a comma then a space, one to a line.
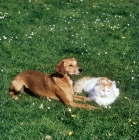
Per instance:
x=80, y=84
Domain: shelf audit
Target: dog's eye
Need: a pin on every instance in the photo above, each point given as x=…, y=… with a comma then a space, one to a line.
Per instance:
x=70, y=65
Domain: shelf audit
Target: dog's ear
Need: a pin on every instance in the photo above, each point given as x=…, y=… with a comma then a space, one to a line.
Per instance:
x=60, y=68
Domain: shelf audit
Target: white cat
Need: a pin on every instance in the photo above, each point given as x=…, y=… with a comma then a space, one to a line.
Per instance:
x=101, y=90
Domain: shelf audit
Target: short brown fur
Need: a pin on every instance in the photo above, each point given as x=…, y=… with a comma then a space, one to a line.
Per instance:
x=57, y=86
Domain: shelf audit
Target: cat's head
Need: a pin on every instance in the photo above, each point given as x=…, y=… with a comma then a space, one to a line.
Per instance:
x=104, y=86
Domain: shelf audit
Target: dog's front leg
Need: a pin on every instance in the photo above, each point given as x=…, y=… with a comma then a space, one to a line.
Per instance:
x=85, y=106
x=80, y=98
x=68, y=100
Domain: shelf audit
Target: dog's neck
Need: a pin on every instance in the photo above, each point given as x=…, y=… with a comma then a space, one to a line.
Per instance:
x=58, y=75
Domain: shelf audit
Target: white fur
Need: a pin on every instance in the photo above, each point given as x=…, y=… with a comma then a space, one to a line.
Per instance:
x=91, y=86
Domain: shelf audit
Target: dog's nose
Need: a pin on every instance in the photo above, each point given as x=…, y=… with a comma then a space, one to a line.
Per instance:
x=80, y=70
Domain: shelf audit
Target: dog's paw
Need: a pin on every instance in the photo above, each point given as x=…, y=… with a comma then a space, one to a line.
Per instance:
x=15, y=97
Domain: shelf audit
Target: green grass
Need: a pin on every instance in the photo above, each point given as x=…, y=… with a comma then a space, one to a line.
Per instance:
x=101, y=35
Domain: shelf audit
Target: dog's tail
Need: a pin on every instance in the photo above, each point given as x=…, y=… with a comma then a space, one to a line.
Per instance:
x=80, y=84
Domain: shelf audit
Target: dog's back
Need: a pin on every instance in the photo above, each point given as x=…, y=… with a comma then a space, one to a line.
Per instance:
x=35, y=81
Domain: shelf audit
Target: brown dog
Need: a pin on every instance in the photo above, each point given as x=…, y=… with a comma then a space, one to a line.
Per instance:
x=57, y=86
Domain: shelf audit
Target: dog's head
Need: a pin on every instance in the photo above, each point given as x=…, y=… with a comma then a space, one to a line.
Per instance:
x=68, y=66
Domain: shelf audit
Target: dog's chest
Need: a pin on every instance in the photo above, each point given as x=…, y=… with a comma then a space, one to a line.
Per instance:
x=70, y=81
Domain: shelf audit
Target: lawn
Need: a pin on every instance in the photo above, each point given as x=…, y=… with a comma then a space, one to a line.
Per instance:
x=102, y=35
